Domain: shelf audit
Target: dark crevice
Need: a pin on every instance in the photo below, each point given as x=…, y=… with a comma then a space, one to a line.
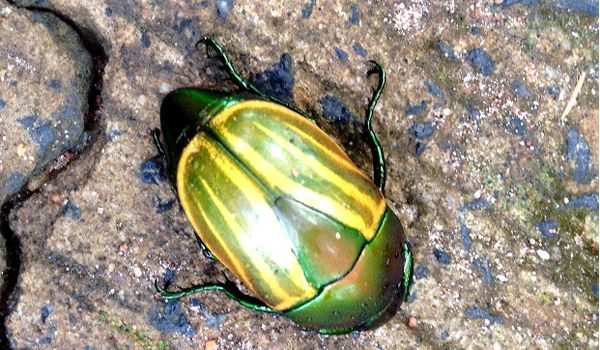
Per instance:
x=9, y=291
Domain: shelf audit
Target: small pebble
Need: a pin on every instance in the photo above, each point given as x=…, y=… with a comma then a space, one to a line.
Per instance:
x=6, y=11
x=447, y=51
x=341, y=54
x=164, y=88
x=211, y=345
x=498, y=306
x=543, y=254
x=412, y=322
x=137, y=271
x=421, y=272
x=21, y=150
x=482, y=61
x=359, y=50
x=442, y=257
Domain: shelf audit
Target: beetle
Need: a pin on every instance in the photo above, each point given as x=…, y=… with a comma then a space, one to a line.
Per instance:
x=277, y=201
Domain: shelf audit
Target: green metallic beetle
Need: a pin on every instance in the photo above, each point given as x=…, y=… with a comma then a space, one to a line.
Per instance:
x=279, y=203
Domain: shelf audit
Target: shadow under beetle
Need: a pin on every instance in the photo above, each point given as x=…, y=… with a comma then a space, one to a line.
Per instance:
x=280, y=204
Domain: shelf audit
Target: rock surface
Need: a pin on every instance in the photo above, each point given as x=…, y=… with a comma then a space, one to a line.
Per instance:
x=493, y=174
x=44, y=83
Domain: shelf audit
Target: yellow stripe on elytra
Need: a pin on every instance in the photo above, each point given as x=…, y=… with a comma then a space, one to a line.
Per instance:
x=237, y=230
x=237, y=268
x=316, y=166
x=186, y=200
x=347, y=216
x=253, y=195
x=219, y=122
x=338, y=157
x=334, y=179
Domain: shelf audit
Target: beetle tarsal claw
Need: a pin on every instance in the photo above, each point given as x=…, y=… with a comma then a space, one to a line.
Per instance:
x=204, y=40
x=227, y=280
x=168, y=295
x=158, y=288
x=209, y=43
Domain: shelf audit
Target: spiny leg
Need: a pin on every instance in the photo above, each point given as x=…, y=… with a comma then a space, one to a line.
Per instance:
x=237, y=77
x=230, y=289
x=160, y=148
x=376, y=149
x=407, y=270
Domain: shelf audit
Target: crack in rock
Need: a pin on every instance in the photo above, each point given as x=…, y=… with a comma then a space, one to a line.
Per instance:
x=56, y=138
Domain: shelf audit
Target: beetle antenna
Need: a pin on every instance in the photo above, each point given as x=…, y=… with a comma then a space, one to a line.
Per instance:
x=379, y=169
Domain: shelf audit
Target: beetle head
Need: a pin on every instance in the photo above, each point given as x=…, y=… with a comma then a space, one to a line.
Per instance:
x=183, y=113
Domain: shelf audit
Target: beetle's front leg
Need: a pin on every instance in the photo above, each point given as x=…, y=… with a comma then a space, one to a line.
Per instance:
x=243, y=83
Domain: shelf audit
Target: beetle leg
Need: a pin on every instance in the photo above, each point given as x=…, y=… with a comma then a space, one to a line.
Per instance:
x=376, y=149
x=407, y=270
x=237, y=77
x=204, y=249
x=233, y=292
x=230, y=289
x=160, y=148
x=240, y=81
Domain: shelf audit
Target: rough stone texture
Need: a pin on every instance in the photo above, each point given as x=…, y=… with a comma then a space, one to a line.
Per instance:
x=505, y=237
x=44, y=78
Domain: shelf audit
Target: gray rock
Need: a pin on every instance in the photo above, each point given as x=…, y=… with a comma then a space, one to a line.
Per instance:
x=45, y=76
x=44, y=79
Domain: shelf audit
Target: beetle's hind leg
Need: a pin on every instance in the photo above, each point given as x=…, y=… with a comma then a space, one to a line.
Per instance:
x=376, y=149
x=240, y=81
x=230, y=289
